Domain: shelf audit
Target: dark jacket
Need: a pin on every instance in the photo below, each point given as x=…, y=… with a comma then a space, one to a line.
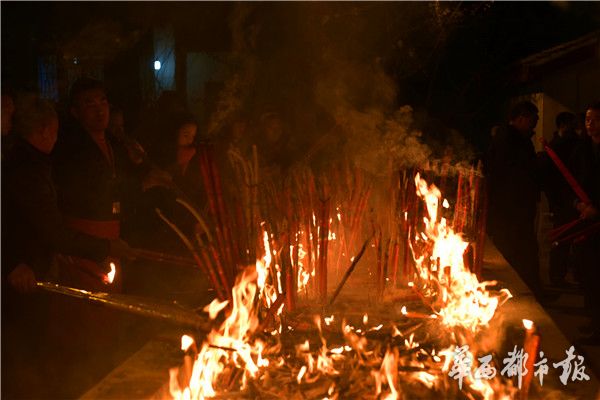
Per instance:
x=32, y=226
x=89, y=186
x=513, y=178
x=557, y=190
x=586, y=168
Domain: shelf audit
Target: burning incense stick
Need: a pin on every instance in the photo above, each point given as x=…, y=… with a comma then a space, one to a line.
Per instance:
x=530, y=347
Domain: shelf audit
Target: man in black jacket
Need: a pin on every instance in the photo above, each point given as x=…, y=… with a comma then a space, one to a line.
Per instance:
x=514, y=191
x=91, y=169
x=587, y=172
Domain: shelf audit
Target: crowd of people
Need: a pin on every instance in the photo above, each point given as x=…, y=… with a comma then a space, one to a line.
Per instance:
x=568, y=173
x=79, y=193
x=78, y=189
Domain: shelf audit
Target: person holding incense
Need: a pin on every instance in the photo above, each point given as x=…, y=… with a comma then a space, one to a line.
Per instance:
x=559, y=193
x=91, y=167
x=33, y=232
x=587, y=173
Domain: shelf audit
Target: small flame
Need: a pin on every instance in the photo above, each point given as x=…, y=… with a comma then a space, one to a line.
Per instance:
x=528, y=324
x=215, y=307
x=389, y=374
x=301, y=373
x=186, y=342
x=110, y=276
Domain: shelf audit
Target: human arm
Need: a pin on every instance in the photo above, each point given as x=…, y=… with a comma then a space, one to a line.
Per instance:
x=34, y=193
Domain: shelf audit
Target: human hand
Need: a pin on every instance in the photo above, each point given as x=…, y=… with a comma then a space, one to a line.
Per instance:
x=22, y=278
x=136, y=152
x=157, y=177
x=586, y=211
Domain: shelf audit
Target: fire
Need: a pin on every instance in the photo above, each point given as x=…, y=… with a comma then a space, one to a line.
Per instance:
x=268, y=291
x=186, y=342
x=303, y=275
x=460, y=299
x=215, y=307
x=110, y=276
x=388, y=374
x=230, y=344
x=453, y=293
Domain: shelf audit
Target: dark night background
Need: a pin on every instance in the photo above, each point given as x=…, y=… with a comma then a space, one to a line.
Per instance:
x=454, y=60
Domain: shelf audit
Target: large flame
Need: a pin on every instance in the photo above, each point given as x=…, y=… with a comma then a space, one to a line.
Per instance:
x=460, y=298
x=231, y=343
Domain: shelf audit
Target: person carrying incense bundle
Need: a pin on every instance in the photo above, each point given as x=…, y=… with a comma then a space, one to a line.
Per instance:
x=32, y=233
x=587, y=173
x=559, y=193
x=91, y=169
x=90, y=166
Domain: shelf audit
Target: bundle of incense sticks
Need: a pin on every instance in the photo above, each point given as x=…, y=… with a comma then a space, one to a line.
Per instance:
x=315, y=226
x=201, y=258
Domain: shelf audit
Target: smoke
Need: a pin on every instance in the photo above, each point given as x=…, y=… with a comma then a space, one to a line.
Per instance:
x=242, y=63
x=377, y=143
x=326, y=70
